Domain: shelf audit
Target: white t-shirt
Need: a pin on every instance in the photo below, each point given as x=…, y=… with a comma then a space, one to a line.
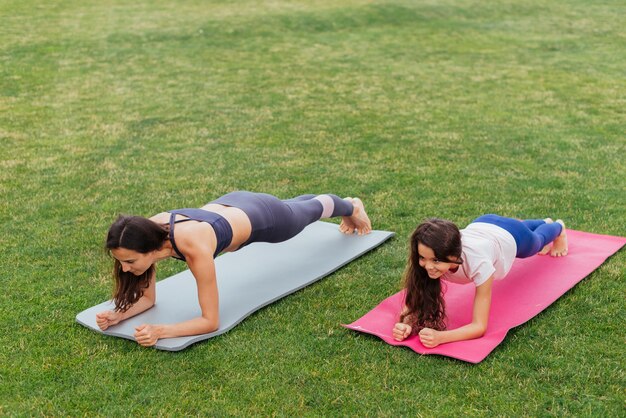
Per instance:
x=488, y=250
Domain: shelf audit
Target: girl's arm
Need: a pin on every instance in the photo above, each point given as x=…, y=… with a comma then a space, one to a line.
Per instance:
x=480, y=317
x=202, y=266
x=106, y=319
x=402, y=330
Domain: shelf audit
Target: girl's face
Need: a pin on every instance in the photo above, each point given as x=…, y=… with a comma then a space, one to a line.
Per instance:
x=433, y=266
x=132, y=261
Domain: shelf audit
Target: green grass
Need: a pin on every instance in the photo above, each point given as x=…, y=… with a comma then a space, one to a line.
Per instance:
x=448, y=108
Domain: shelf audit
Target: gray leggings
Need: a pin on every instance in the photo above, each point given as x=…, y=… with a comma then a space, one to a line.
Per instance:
x=275, y=220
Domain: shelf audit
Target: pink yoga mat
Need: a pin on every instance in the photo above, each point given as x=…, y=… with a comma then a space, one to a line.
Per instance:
x=531, y=286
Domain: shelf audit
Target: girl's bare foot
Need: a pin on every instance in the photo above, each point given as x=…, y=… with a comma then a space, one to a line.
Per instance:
x=546, y=249
x=559, y=246
x=358, y=221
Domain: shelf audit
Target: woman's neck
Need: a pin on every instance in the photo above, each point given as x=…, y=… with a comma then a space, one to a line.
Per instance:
x=166, y=251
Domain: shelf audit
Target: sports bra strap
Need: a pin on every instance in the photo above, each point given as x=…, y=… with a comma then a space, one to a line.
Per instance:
x=221, y=227
x=171, y=235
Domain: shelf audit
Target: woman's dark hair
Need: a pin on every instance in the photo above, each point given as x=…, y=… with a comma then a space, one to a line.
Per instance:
x=424, y=296
x=138, y=234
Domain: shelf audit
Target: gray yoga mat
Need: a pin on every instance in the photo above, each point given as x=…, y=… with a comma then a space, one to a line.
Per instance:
x=247, y=280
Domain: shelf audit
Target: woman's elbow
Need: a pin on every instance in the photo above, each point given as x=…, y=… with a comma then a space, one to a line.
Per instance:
x=212, y=325
x=146, y=302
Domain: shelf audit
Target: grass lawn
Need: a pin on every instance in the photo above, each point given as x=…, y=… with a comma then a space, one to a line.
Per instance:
x=448, y=108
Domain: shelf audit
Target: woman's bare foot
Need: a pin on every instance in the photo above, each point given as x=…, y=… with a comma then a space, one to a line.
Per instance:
x=347, y=226
x=358, y=221
x=559, y=246
x=546, y=249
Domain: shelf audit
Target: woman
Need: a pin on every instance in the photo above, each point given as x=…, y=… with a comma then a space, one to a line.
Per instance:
x=482, y=252
x=197, y=236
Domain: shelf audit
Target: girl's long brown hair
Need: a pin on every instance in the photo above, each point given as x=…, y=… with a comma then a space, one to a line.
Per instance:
x=138, y=234
x=425, y=306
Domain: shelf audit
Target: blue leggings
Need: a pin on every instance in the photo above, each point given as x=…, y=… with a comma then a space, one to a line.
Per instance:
x=275, y=220
x=530, y=235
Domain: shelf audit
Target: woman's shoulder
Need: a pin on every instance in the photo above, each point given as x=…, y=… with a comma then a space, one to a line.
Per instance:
x=161, y=218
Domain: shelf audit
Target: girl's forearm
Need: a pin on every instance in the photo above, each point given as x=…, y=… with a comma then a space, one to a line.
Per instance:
x=466, y=332
x=480, y=317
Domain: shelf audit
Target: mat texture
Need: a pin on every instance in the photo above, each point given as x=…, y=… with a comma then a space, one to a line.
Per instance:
x=531, y=286
x=248, y=279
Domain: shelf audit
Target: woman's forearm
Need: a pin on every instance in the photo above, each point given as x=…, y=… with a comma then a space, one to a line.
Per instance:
x=199, y=325
x=143, y=304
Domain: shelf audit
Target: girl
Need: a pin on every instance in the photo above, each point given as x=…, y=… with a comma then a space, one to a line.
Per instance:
x=196, y=236
x=481, y=253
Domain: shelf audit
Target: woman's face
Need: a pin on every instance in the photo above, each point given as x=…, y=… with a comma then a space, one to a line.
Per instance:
x=132, y=261
x=433, y=266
